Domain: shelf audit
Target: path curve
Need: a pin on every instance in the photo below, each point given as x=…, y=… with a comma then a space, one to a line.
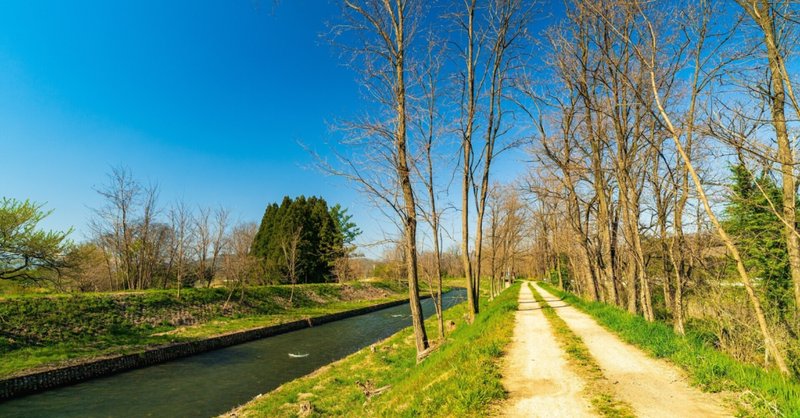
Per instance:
x=652, y=387
x=535, y=373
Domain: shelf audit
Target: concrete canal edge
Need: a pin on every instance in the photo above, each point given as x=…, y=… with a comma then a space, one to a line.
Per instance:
x=27, y=384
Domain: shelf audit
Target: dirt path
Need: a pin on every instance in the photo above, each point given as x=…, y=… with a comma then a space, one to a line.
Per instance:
x=535, y=373
x=653, y=387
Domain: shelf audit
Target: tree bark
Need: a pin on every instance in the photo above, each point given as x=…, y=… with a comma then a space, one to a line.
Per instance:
x=420, y=336
x=472, y=301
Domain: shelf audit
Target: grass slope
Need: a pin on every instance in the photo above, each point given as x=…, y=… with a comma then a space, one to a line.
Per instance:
x=46, y=331
x=763, y=392
x=460, y=378
x=598, y=389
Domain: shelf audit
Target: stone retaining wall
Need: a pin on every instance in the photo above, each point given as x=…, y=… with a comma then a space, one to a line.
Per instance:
x=37, y=382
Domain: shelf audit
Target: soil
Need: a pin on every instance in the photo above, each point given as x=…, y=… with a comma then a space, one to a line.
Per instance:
x=349, y=293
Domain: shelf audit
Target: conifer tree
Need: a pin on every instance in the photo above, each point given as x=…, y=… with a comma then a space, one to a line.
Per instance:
x=324, y=234
x=758, y=232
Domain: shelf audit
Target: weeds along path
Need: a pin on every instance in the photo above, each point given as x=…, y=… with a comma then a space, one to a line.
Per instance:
x=535, y=373
x=652, y=387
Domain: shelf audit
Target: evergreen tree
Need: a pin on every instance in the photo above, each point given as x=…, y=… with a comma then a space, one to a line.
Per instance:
x=348, y=229
x=323, y=233
x=342, y=246
x=759, y=233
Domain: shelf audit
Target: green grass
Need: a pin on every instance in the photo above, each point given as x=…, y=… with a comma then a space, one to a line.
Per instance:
x=460, y=378
x=598, y=389
x=47, y=331
x=762, y=392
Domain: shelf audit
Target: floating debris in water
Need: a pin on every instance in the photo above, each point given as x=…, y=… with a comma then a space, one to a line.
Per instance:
x=298, y=355
x=397, y=316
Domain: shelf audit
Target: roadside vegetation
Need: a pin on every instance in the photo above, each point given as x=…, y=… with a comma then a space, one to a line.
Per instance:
x=598, y=389
x=385, y=379
x=40, y=332
x=761, y=392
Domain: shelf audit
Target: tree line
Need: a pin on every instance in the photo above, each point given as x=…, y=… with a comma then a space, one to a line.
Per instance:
x=135, y=243
x=439, y=77
x=661, y=174
x=664, y=170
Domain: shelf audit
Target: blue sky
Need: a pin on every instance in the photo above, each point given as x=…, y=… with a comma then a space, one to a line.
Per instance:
x=208, y=99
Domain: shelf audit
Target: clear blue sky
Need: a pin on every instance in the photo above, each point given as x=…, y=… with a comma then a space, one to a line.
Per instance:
x=206, y=98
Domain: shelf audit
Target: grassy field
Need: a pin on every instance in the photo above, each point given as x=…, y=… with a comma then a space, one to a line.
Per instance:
x=41, y=332
x=761, y=392
x=460, y=378
x=599, y=390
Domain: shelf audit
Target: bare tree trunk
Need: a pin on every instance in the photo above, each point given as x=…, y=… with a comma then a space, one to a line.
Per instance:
x=764, y=14
x=429, y=84
x=290, y=245
x=469, y=124
x=661, y=220
x=604, y=257
x=437, y=254
x=384, y=46
x=417, y=319
x=558, y=269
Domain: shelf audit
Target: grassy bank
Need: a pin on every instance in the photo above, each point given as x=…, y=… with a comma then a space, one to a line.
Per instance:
x=598, y=389
x=42, y=332
x=460, y=378
x=762, y=392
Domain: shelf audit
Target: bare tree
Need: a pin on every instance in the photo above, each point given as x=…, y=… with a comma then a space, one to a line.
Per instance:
x=112, y=225
x=290, y=245
x=208, y=241
x=238, y=265
x=386, y=30
x=126, y=230
x=428, y=123
x=218, y=242
x=502, y=31
x=180, y=222
x=505, y=235
x=202, y=241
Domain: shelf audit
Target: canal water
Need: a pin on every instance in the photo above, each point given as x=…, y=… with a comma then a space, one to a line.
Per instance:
x=212, y=383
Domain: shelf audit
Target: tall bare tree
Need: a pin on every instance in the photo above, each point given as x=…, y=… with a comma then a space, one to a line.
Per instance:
x=290, y=246
x=126, y=230
x=180, y=220
x=239, y=266
x=428, y=123
x=202, y=235
x=386, y=30
x=218, y=242
x=493, y=36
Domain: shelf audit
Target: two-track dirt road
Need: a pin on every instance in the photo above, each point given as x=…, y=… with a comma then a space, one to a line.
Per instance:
x=536, y=374
x=541, y=384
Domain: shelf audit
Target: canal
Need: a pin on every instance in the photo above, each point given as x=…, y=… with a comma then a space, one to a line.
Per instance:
x=209, y=384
